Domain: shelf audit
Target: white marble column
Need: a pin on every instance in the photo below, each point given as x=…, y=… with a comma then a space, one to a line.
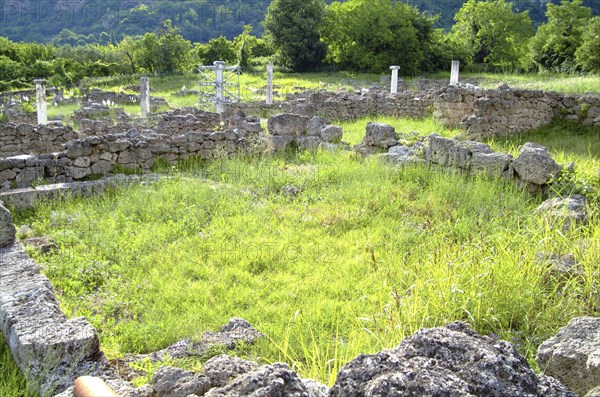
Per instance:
x=145, y=96
x=40, y=97
x=394, y=84
x=454, y=73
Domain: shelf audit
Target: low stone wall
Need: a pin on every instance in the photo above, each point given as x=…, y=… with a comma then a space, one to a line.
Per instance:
x=98, y=120
x=505, y=112
x=343, y=106
x=29, y=139
x=50, y=349
x=28, y=198
x=532, y=169
x=303, y=132
x=101, y=155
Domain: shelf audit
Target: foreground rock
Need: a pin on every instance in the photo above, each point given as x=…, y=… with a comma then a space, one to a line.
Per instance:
x=535, y=165
x=170, y=381
x=7, y=228
x=378, y=137
x=226, y=376
x=573, y=355
x=267, y=381
x=447, y=361
x=567, y=212
x=236, y=331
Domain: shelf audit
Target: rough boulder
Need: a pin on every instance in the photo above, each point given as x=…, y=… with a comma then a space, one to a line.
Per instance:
x=535, y=165
x=573, y=355
x=447, y=361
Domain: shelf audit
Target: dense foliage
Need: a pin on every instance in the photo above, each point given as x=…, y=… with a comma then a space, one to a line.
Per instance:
x=556, y=42
x=371, y=35
x=90, y=21
x=492, y=33
x=293, y=27
x=355, y=35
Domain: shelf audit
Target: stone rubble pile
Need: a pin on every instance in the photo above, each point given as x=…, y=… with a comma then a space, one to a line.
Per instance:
x=446, y=361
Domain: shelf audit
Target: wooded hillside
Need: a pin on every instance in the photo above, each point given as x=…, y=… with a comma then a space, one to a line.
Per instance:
x=107, y=21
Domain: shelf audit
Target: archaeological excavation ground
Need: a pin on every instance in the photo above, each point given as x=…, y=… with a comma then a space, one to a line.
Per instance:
x=428, y=242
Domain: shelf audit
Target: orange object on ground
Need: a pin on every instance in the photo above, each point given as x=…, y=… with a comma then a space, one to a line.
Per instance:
x=90, y=386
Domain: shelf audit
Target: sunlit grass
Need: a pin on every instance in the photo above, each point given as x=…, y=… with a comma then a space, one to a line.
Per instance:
x=570, y=84
x=363, y=256
x=12, y=382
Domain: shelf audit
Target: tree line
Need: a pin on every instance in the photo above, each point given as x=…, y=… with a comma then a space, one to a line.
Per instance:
x=356, y=35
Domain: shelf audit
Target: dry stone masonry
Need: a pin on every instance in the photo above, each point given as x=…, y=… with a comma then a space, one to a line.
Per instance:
x=505, y=111
x=134, y=150
x=17, y=139
x=306, y=133
x=533, y=168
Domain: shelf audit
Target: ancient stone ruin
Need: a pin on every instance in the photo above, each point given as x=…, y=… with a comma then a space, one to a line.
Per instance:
x=39, y=162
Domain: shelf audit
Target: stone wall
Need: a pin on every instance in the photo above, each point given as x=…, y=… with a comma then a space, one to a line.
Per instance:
x=533, y=169
x=138, y=151
x=98, y=120
x=505, y=112
x=342, y=106
x=302, y=132
x=50, y=349
x=19, y=139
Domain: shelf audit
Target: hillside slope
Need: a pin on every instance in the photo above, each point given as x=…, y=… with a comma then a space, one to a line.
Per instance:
x=81, y=21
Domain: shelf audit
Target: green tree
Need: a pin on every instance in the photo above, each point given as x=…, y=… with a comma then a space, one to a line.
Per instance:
x=371, y=35
x=164, y=52
x=147, y=54
x=588, y=55
x=556, y=41
x=492, y=33
x=294, y=27
x=219, y=49
x=129, y=47
x=174, y=49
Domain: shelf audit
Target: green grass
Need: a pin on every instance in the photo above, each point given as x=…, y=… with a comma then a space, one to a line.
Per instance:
x=12, y=383
x=570, y=84
x=365, y=255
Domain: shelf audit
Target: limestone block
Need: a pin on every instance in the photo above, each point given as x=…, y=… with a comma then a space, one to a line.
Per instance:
x=573, y=355
x=535, y=165
x=287, y=124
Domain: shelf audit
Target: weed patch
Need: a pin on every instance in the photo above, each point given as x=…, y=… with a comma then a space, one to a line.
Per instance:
x=359, y=256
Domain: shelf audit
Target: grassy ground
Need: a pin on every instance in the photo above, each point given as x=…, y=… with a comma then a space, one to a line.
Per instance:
x=12, y=383
x=364, y=255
